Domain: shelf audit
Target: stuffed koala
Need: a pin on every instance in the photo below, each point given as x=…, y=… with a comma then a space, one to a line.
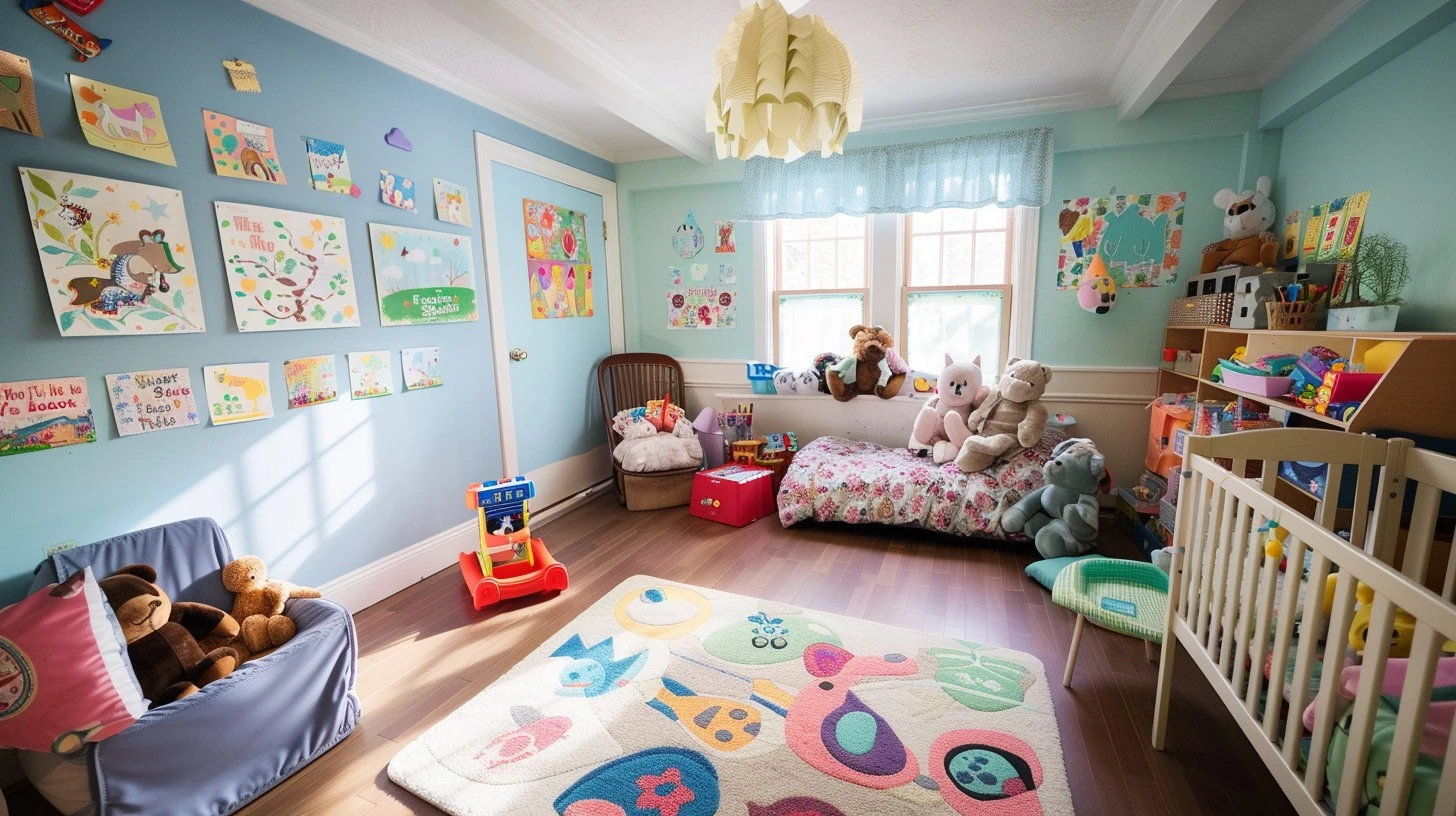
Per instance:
x=940, y=427
x=1062, y=515
x=175, y=649
x=1010, y=420
x=259, y=603
x=1246, y=222
x=873, y=367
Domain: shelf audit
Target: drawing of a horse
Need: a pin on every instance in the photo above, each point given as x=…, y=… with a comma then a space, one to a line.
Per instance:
x=119, y=123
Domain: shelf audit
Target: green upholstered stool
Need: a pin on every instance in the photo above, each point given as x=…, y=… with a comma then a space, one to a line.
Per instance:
x=1130, y=597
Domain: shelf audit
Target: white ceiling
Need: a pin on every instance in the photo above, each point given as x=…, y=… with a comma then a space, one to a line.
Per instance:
x=630, y=79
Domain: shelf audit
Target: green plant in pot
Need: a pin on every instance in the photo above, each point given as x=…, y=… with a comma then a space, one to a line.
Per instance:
x=1371, y=300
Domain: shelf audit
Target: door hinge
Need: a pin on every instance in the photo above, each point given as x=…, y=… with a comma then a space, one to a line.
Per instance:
x=604, y=229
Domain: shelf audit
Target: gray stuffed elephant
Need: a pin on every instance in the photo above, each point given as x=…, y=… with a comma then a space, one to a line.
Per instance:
x=1062, y=515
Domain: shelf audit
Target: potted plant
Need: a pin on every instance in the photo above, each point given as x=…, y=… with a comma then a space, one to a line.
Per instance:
x=1371, y=300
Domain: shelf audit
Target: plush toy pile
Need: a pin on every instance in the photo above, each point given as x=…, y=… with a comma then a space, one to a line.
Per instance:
x=646, y=449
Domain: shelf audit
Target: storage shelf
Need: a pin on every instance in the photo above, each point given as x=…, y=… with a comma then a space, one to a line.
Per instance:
x=1275, y=402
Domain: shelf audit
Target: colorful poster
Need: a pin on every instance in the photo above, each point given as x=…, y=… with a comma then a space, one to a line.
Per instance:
x=115, y=254
x=243, y=75
x=286, y=270
x=237, y=392
x=328, y=165
x=41, y=414
x=725, y=237
x=558, y=261
x=1290, y=248
x=452, y=203
x=242, y=149
x=311, y=380
x=370, y=374
x=1312, y=231
x=422, y=276
x=126, y=121
x=702, y=307
x=1139, y=237
x=144, y=401
x=1340, y=231
x=17, y=95
x=687, y=239
x=727, y=274
x=1330, y=229
x=396, y=191
x=421, y=367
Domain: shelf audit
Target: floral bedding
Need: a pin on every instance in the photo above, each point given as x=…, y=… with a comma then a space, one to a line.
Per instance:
x=834, y=479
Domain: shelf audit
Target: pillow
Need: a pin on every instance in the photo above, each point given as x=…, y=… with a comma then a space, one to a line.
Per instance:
x=1045, y=572
x=65, y=679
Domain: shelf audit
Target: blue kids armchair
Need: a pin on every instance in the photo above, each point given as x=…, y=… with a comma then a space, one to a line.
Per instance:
x=217, y=750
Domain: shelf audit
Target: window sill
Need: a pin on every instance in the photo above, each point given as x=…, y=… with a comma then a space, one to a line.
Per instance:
x=749, y=396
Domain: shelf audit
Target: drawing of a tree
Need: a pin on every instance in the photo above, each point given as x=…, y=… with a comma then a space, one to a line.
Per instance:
x=289, y=277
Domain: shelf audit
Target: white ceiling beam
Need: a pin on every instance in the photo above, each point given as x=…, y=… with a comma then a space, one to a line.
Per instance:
x=539, y=34
x=1170, y=35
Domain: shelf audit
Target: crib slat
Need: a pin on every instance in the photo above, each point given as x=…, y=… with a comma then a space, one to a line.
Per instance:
x=1261, y=631
x=1252, y=556
x=1329, y=506
x=1235, y=577
x=1367, y=698
x=1283, y=634
x=1415, y=700
x=1446, y=788
x=1197, y=547
x=1422, y=531
x=1389, y=502
x=1314, y=614
x=1359, y=525
x=1213, y=588
x=1326, y=700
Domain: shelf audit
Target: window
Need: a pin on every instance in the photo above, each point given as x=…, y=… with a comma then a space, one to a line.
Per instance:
x=957, y=290
x=820, y=285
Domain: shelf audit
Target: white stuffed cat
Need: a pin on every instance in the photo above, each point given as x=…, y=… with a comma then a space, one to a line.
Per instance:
x=940, y=427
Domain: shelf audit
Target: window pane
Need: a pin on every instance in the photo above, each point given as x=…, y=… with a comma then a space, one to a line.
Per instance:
x=795, y=260
x=811, y=324
x=992, y=217
x=990, y=257
x=852, y=264
x=850, y=225
x=925, y=222
x=821, y=265
x=956, y=267
x=961, y=324
x=821, y=228
x=793, y=229
x=959, y=219
x=925, y=260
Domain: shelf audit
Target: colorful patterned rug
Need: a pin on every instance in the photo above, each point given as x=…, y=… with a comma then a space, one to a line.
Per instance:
x=664, y=699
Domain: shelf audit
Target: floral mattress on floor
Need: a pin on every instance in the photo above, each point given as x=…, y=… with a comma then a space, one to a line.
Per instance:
x=834, y=479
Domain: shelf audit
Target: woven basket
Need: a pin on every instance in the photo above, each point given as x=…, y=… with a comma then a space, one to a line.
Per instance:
x=1298, y=316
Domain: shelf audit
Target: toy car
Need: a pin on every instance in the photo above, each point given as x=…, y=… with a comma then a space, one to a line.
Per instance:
x=509, y=563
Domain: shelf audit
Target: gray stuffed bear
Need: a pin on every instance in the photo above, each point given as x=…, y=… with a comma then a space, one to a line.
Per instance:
x=1062, y=515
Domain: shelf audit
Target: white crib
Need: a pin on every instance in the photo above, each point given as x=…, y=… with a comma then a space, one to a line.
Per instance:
x=1224, y=610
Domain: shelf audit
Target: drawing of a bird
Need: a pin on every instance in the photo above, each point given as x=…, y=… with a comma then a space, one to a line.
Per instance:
x=535, y=734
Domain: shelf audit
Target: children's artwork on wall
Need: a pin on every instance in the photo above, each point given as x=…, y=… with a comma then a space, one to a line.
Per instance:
x=311, y=380
x=126, y=121
x=687, y=239
x=144, y=401
x=87, y=45
x=328, y=165
x=243, y=75
x=702, y=307
x=38, y=415
x=422, y=276
x=370, y=374
x=242, y=149
x=17, y=95
x=698, y=272
x=558, y=261
x=116, y=255
x=1138, y=236
x=421, y=367
x=724, y=229
x=237, y=392
x=727, y=274
x=674, y=276
x=1312, y=228
x=396, y=191
x=286, y=270
x=1289, y=249
x=452, y=203
x=1338, y=230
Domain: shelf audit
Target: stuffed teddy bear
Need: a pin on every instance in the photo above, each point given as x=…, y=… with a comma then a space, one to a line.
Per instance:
x=1247, y=240
x=940, y=427
x=1011, y=419
x=874, y=367
x=259, y=601
x=175, y=648
x=1061, y=516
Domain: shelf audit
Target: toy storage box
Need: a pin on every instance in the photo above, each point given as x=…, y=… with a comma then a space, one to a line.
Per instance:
x=733, y=494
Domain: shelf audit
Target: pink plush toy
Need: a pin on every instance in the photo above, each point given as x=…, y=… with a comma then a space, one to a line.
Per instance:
x=940, y=427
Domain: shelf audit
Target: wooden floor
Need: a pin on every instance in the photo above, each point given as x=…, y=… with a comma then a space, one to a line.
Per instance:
x=425, y=651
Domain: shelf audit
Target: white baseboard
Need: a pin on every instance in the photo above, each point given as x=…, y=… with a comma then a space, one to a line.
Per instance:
x=379, y=579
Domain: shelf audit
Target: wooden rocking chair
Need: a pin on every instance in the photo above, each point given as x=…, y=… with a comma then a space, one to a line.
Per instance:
x=628, y=381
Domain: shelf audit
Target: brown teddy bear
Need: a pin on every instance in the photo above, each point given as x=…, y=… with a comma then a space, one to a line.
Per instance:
x=874, y=367
x=259, y=603
x=1010, y=420
x=175, y=649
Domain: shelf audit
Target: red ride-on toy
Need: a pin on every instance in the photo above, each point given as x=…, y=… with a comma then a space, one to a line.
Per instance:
x=509, y=563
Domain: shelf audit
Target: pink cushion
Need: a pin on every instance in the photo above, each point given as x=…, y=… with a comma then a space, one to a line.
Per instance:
x=64, y=675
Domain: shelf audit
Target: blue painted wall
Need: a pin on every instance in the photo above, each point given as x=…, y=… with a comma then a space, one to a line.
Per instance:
x=1390, y=133
x=317, y=491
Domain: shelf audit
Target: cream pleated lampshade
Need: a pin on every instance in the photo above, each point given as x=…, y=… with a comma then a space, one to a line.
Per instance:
x=786, y=86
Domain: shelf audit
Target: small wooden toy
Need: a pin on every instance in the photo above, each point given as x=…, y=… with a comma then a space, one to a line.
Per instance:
x=509, y=562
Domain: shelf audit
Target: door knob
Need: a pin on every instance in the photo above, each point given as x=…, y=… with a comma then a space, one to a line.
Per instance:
x=518, y=354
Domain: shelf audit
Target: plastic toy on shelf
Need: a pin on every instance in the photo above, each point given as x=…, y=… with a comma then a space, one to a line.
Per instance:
x=509, y=562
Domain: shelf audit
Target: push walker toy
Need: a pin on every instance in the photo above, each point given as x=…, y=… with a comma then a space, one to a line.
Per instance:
x=509, y=563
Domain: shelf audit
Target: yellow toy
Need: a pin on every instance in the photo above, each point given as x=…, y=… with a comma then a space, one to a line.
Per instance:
x=1402, y=631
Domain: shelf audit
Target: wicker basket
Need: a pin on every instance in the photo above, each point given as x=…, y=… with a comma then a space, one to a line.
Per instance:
x=1297, y=316
x=655, y=491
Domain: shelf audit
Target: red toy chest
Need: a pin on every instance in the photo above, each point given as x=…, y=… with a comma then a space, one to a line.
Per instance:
x=733, y=494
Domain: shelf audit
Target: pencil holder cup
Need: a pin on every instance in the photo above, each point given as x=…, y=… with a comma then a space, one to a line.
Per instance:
x=1297, y=316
